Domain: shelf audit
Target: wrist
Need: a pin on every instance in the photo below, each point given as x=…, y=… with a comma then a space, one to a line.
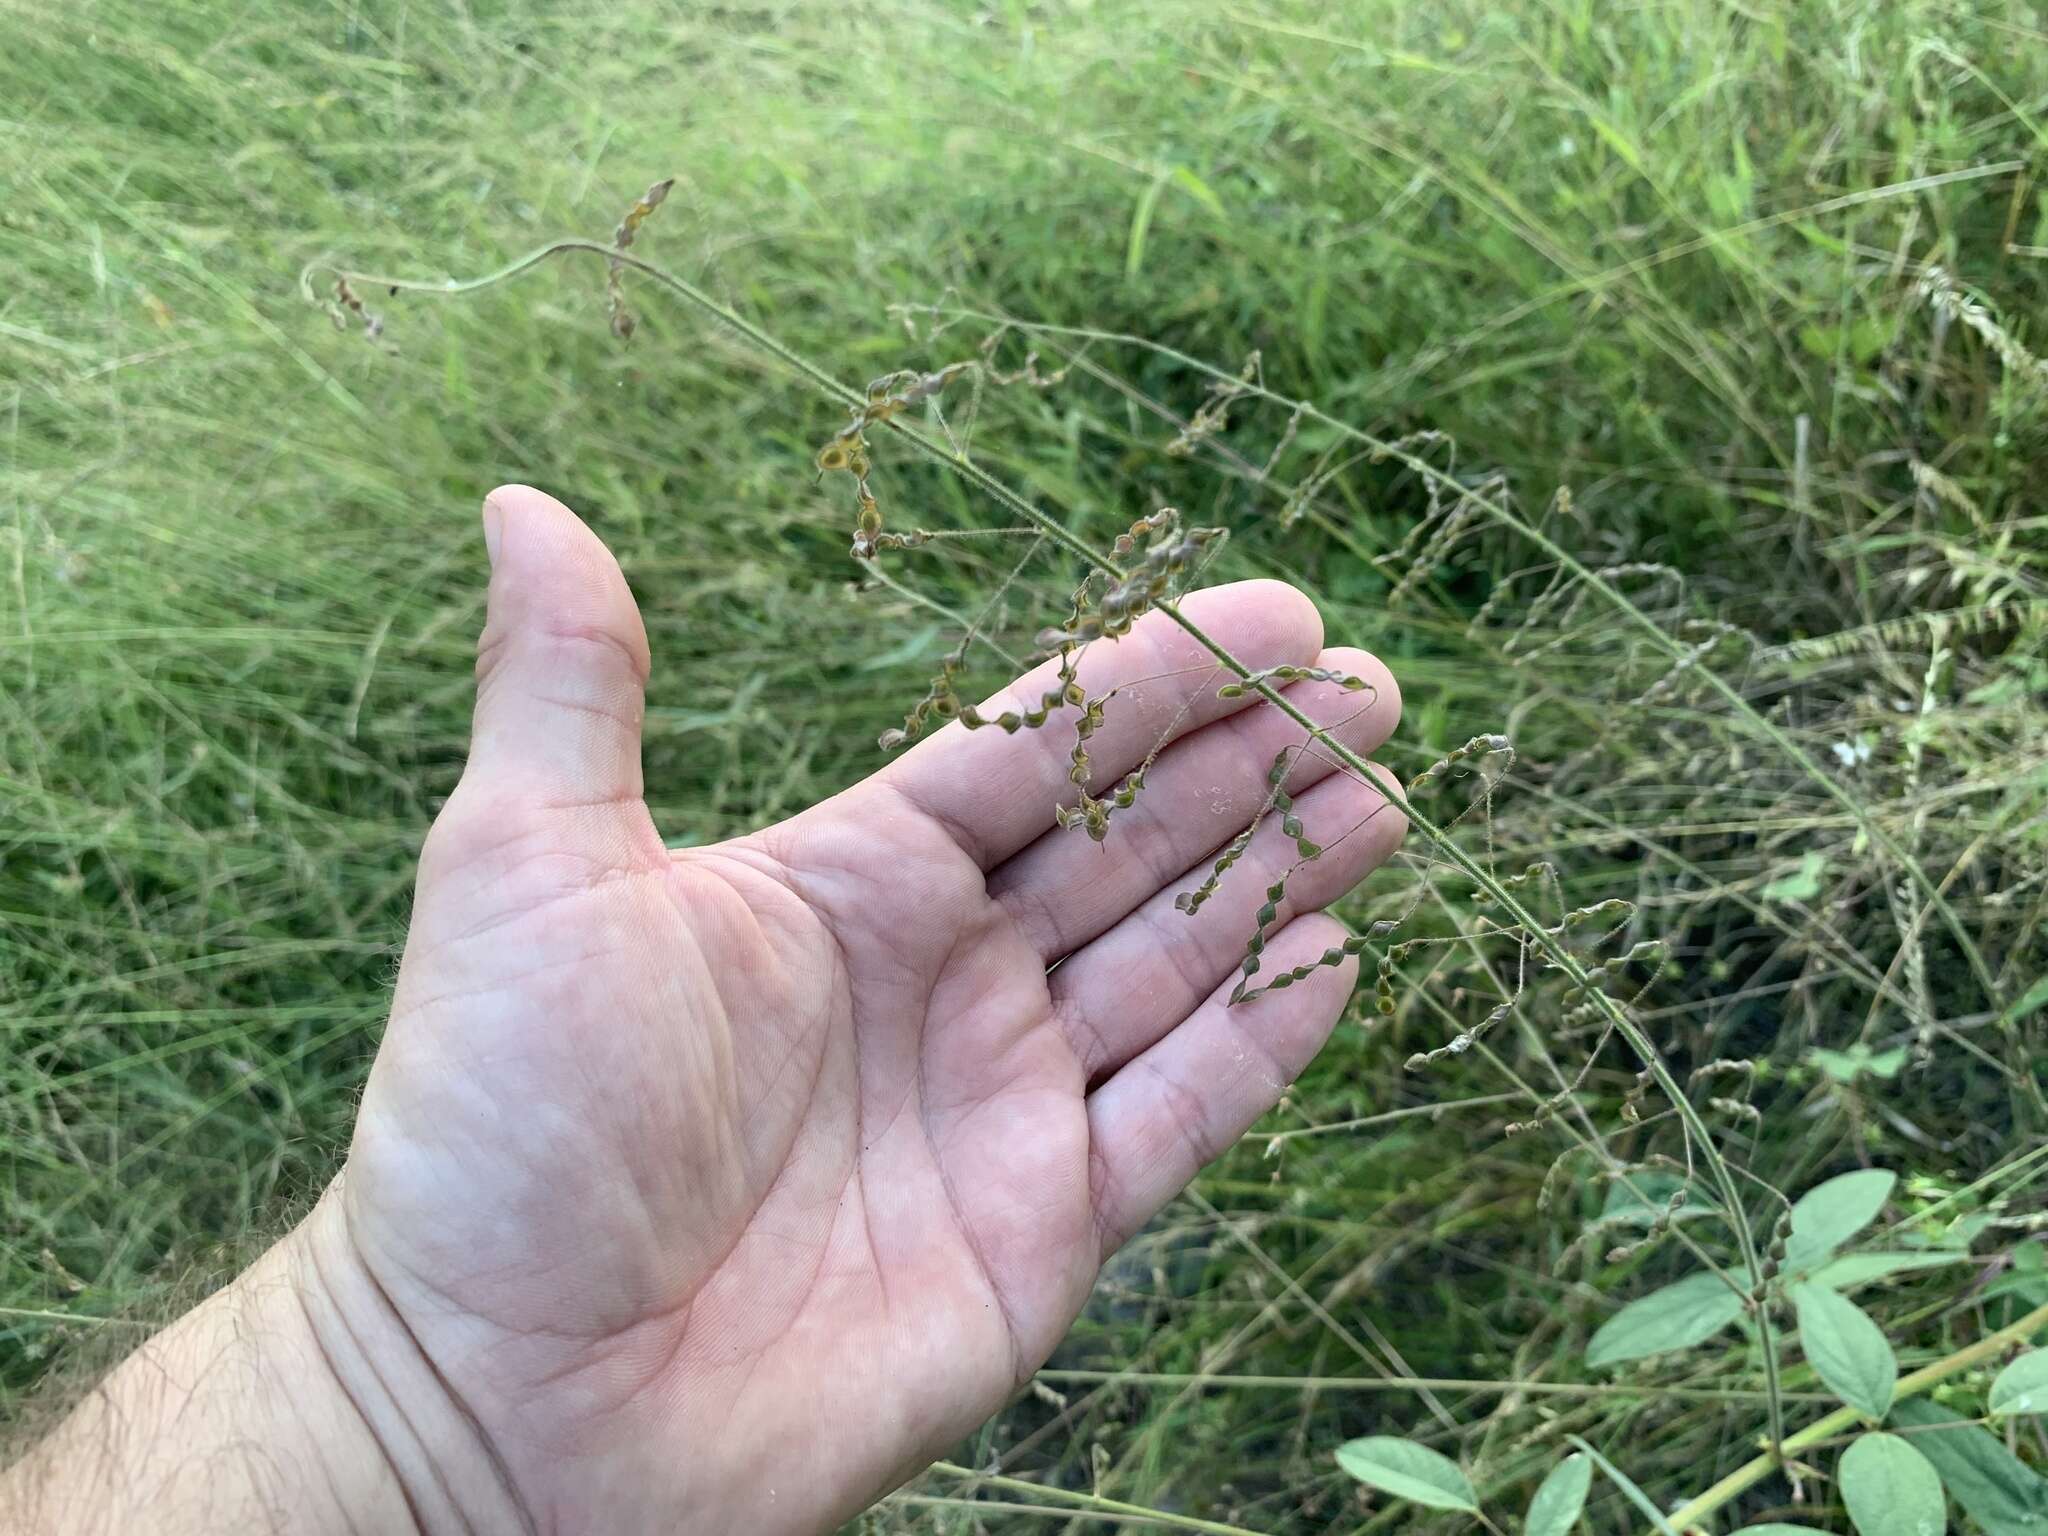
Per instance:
x=294, y=1399
x=413, y=1436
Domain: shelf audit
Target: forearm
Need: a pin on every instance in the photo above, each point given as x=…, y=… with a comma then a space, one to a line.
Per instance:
x=292, y=1400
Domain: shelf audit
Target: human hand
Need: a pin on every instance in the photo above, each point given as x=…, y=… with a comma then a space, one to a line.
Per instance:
x=722, y=1189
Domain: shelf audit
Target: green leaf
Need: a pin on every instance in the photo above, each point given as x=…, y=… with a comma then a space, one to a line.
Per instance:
x=1408, y=1471
x=1829, y=1214
x=1854, y=1269
x=1847, y=1349
x=1141, y=225
x=1802, y=884
x=2022, y=1387
x=1199, y=190
x=1646, y=1195
x=1629, y=1490
x=2000, y=1493
x=1148, y=203
x=1555, y=1509
x=1777, y=1528
x=2031, y=1002
x=1847, y=1066
x=1677, y=1317
x=2030, y=1289
x=1890, y=1488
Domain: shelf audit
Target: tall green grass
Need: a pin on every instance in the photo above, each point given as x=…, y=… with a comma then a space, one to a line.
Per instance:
x=1674, y=258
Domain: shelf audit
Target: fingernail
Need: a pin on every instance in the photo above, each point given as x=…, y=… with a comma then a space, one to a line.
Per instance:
x=494, y=531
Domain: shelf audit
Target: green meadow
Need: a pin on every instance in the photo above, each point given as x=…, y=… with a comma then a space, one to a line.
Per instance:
x=1662, y=386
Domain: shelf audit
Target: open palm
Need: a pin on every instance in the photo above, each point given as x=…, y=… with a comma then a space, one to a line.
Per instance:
x=724, y=1188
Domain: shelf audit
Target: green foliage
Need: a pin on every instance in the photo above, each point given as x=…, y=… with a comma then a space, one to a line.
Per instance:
x=1858, y=1060
x=1407, y=1471
x=2022, y=1387
x=1998, y=1491
x=1854, y=1269
x=1802, y=883
x=1847, y=1349
x=1752, y=284
x=2031, y=1002
x=1560, y=1498
x=1630, y=1489
x=1828, y=1215
x=1890, y=1488
x=1676, y=1317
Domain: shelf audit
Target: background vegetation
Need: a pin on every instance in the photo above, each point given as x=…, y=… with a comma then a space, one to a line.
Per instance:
x=1760, y=286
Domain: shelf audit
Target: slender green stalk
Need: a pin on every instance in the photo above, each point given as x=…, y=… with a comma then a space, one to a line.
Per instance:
x=1060, y=1512
x=1091, y=1501
x=1408, y=1384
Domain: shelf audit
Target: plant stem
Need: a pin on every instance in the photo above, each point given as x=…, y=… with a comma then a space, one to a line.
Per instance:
x=1750, y=1473
x=1501, y=514
x=1092, y=1501
x=1409, y=1384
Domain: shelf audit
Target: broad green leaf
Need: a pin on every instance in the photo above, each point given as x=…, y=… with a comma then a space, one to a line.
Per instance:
x=1555, y=1509
x=1408, y=1471
x=1778, y=1528
x=2000, y=1493
x=1854, y=1269
x=1829, y=1214
x=1677, y=1317
x=1890, y=1488
x=2022, y=1387
x=1847, y=1349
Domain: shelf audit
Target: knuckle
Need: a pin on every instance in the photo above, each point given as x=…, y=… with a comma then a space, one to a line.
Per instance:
x=592, y=647
x=608, y=643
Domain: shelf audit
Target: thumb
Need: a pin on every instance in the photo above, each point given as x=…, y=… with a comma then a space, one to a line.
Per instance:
x=562, y=665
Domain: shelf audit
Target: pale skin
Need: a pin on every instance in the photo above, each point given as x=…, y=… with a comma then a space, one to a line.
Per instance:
x=724, y=1189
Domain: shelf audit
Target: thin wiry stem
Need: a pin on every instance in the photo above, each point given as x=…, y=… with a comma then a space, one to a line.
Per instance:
x=1498, y=511
x=1091, y=1501
x=1207, y=1379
